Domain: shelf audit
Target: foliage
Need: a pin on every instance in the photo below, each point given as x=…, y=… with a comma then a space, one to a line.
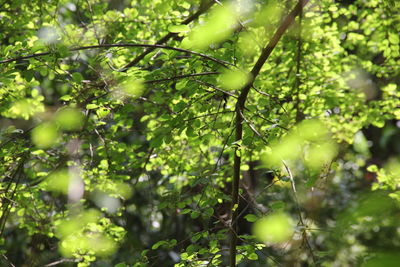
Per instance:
x=199, y=133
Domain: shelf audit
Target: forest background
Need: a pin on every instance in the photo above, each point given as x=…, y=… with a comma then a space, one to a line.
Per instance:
x=199, y=133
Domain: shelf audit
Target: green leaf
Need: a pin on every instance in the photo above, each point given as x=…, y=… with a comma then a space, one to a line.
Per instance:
x=251, y=217
x=234, y=79
x=278, y=205
x=181, y=84
x=218, y=27
x=158, y=244
x=194, y=214
x=178, y=28
x=185, y=211
x=394, y=38
x=253, y=256
x=77, y=77
x=209, y=212
x=69, y=119
x=274, y=228
x=45, y=135
x=102, y=112
x=66, y=97
x=91, y=106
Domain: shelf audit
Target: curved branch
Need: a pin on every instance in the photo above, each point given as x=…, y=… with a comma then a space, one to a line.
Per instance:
x=240, y=104
x=183, y=76
x=156, y=81
x=154, y=46
x=203, y=8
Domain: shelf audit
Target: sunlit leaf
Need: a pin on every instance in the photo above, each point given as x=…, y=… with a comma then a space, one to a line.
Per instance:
x=69, y=119
x=58, y=181
x=320, y=154
x=309, y=140
x=133, y=87
x=75, y=223
x=178, y=28
x=234, y=80
x=269, y=14
x=217, y=27
x=45, y=135
x=274, y=228
x=91, y=106
x=25, y=108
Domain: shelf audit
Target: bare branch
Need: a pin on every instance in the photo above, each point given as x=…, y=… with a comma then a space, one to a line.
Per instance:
x=216, y=88
x=203, y=8
x=60, y=261
x=183, y=76
x=155, y=46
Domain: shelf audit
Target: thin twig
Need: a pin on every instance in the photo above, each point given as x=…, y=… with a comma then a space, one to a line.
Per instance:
x=291, y=178
x=216, y=88
x=203, y=8
x=60, y=261
x=153, y=81
x=183, y=76
x=301, y=220
x=9, y=262
x=209, y=114
x=154, y=46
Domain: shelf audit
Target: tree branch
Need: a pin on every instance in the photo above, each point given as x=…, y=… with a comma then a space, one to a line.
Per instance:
x=266, y=52
x=154, y=46
x=154, y=81
x=203, y=8
x=182, y=76
x=298, y=67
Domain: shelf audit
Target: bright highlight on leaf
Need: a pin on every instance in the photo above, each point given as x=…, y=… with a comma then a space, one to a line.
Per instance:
x=84, y=233
x=76, y=223
x=246, y=44
x=102, y=112
x=310, y=141
x=274, y=228
x=234, y=79
x=393, y=167
x=217, y=27
x=69, y=119
x=45, y=135
x=25, y=109
x=102, y=200
x=178, y=28
x=268, y=15
x=388, y=177
x=97, y=243
x=319, y=154
x=48, y=35
x=133, y=87
x=58, y=181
